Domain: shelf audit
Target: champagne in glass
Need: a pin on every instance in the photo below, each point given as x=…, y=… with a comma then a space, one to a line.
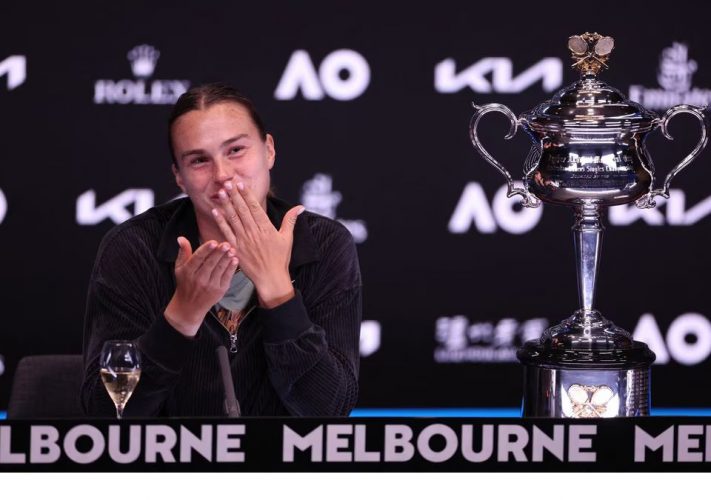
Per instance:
x=120, y=370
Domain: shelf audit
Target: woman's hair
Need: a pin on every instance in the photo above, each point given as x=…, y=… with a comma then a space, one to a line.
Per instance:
x=205, y=95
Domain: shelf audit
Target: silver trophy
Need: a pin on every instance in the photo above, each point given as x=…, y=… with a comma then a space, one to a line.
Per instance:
x=588, y=153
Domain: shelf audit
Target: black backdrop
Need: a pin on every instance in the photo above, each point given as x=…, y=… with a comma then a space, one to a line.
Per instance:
x=369, y=105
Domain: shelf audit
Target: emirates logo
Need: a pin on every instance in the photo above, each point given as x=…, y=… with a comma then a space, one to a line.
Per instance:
x=674, y=75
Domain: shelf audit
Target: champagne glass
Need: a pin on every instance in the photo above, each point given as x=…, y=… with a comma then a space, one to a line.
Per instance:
x=120, y=369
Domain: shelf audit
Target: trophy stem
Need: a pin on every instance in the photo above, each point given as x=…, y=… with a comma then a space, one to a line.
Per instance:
x=587, y=236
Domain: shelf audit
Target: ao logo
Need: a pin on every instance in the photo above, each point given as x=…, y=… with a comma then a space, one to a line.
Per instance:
x=343, y=75
x=447, y=81
x=474, y=209
x=688, y=340
x=3, y=206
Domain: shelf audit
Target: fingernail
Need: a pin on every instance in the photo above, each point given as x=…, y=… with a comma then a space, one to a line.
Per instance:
x=240, y=186
x=213, y=245
x=215, y=213
x=228, y=185
x=300, y=211
x=222, y=194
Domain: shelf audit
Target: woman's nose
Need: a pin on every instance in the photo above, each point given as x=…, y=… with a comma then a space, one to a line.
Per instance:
x=223, y=172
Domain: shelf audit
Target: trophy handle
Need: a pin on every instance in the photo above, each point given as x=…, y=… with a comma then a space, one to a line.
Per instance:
x=647, y=201
x=529, y=200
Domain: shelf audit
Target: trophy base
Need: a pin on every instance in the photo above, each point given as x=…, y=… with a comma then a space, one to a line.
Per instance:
x=587, y=330
x=585, y=393
x=586, y=367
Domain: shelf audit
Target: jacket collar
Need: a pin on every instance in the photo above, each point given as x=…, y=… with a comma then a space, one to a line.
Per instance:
x=183, y=223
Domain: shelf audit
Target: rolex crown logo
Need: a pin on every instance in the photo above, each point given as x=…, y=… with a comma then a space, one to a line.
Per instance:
x=143, y=59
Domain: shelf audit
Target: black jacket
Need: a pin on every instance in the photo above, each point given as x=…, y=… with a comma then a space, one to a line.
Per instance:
x=300, y=358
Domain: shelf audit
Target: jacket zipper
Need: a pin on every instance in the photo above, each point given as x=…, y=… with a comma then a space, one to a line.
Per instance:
x=233, y=336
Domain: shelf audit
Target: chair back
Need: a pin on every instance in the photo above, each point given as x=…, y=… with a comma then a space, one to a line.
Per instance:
x=47, y=386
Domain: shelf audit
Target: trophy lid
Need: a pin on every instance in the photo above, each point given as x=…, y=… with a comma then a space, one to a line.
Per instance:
x=589, y=104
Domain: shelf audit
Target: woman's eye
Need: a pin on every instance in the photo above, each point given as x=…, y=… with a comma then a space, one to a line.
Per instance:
x=236, y=149
x=198, y=160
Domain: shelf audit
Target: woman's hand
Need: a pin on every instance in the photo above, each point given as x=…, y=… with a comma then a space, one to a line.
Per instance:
x=202, y=278
x=263, y=251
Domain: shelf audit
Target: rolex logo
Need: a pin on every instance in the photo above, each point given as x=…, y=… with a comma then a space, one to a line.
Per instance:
x=142, y=89
x=143, y=59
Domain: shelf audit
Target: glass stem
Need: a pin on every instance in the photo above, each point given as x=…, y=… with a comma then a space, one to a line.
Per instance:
x=119, y=411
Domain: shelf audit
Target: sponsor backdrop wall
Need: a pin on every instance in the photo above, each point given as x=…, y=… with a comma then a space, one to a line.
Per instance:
x=369, y=106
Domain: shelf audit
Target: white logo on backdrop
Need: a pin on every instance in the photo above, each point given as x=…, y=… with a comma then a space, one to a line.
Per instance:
x=3, y=206
x=117, y=209
x=674, y=213
x=15, y=67
x=143, y=60
x=505, y=213
x=474, y=212
x=343, y=75
x=687, y=340
x=447, y=80
x=318, y=196
x=484, y=342
x=369, y=337
x=674, y=76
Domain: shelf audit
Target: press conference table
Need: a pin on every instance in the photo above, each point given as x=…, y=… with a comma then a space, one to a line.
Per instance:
x=249, y=444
